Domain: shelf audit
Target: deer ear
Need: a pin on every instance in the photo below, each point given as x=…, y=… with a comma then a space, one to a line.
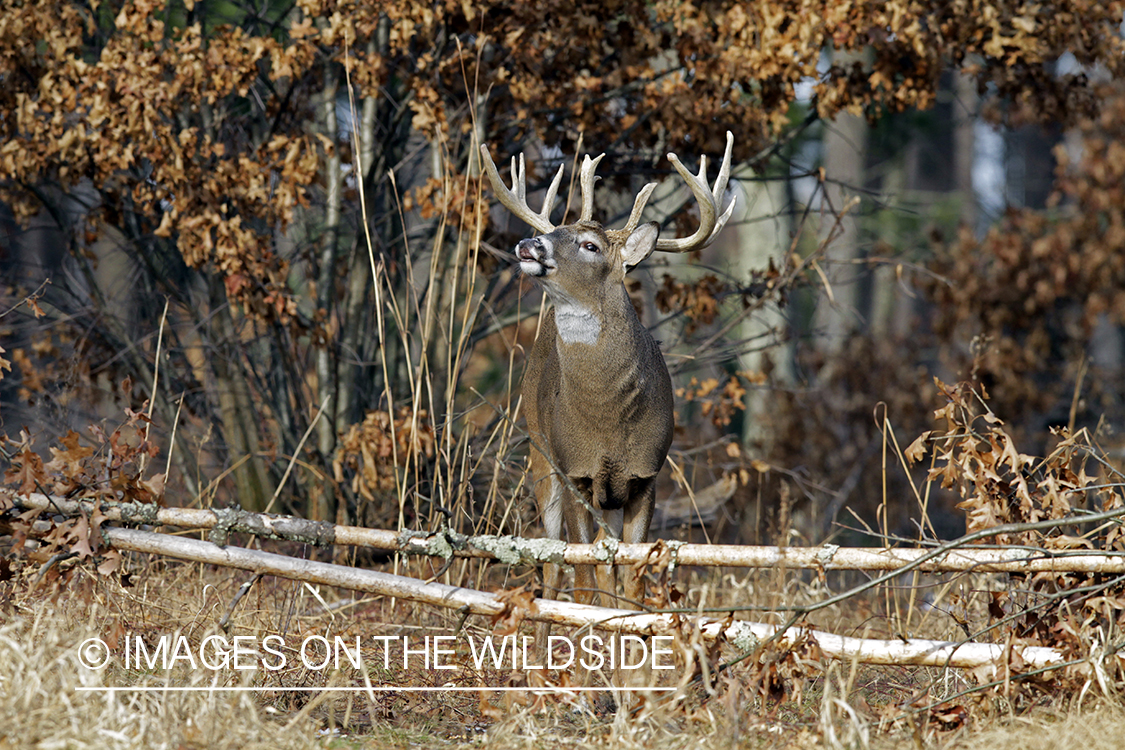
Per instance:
x=640, y=244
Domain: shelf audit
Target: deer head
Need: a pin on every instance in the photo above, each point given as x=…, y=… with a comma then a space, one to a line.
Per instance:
x=582, y=265
x=596, y=392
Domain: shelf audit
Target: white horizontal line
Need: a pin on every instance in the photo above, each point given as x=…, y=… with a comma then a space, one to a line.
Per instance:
x=372, y=689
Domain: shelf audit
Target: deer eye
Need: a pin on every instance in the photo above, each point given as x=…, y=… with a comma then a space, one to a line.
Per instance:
x=590, y=247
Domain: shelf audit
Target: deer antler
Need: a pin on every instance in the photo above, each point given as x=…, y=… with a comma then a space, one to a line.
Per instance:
x=709, y=199
x=515, y=198
x=586, y=180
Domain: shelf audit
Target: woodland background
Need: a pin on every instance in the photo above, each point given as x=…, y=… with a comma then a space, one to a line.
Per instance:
x=229, y=226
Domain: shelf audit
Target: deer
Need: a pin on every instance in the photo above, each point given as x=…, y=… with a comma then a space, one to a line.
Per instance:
x=597, y=395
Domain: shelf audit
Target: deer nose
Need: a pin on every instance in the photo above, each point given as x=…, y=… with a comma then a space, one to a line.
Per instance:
x=529, y=249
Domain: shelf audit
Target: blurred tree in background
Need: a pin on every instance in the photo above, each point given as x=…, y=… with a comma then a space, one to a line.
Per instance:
x=284, y=202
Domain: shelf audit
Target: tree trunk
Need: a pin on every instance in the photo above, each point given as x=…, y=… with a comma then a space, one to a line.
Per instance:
x=236, y=408
x=323, y=505
x=845, y=151
x=762, y=235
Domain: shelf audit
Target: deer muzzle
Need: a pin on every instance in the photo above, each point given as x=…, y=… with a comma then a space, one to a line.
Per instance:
x=534, y=256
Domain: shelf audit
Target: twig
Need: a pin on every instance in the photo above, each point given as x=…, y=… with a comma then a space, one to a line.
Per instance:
x=52, y=562
x=242, y=591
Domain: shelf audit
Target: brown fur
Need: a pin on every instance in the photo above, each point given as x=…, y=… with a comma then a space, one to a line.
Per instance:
x=599, y=414
x=597, y=393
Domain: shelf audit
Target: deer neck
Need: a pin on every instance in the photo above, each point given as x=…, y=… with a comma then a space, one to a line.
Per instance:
x=600, y=343
x=605, y=380
x=580, y=323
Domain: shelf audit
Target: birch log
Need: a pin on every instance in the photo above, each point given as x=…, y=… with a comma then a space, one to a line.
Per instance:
x=742, y=634
x=512, y=550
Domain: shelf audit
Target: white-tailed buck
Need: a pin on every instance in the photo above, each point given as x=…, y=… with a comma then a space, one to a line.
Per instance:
x=596, y=391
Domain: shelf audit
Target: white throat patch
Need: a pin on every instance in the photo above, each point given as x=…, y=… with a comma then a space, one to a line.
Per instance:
x=577, y=323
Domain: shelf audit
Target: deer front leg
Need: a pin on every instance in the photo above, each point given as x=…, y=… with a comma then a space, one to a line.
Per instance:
x=636, y=518
x=581, y=526
x=551, y=511
x=604, y=592
x=606, y=578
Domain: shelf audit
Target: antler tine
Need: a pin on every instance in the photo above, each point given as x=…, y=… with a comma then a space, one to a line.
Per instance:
x=639, y=206
x=515, y=198
x=709, y=199
x=724, y=171
x=722, y=221
x=552, y=191
x=519, y=178
x=586, y=180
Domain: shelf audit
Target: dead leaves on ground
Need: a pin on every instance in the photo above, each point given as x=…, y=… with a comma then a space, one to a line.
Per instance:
x=114, y=468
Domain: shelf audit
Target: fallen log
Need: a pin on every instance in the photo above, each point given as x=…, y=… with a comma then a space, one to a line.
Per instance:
x=511, y=550
x=745, y=636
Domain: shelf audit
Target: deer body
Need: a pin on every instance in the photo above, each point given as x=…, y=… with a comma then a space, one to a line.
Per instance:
x=597, y=394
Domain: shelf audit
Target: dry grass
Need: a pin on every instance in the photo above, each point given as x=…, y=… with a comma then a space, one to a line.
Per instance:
x=1100, y=728
x=41, y=705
